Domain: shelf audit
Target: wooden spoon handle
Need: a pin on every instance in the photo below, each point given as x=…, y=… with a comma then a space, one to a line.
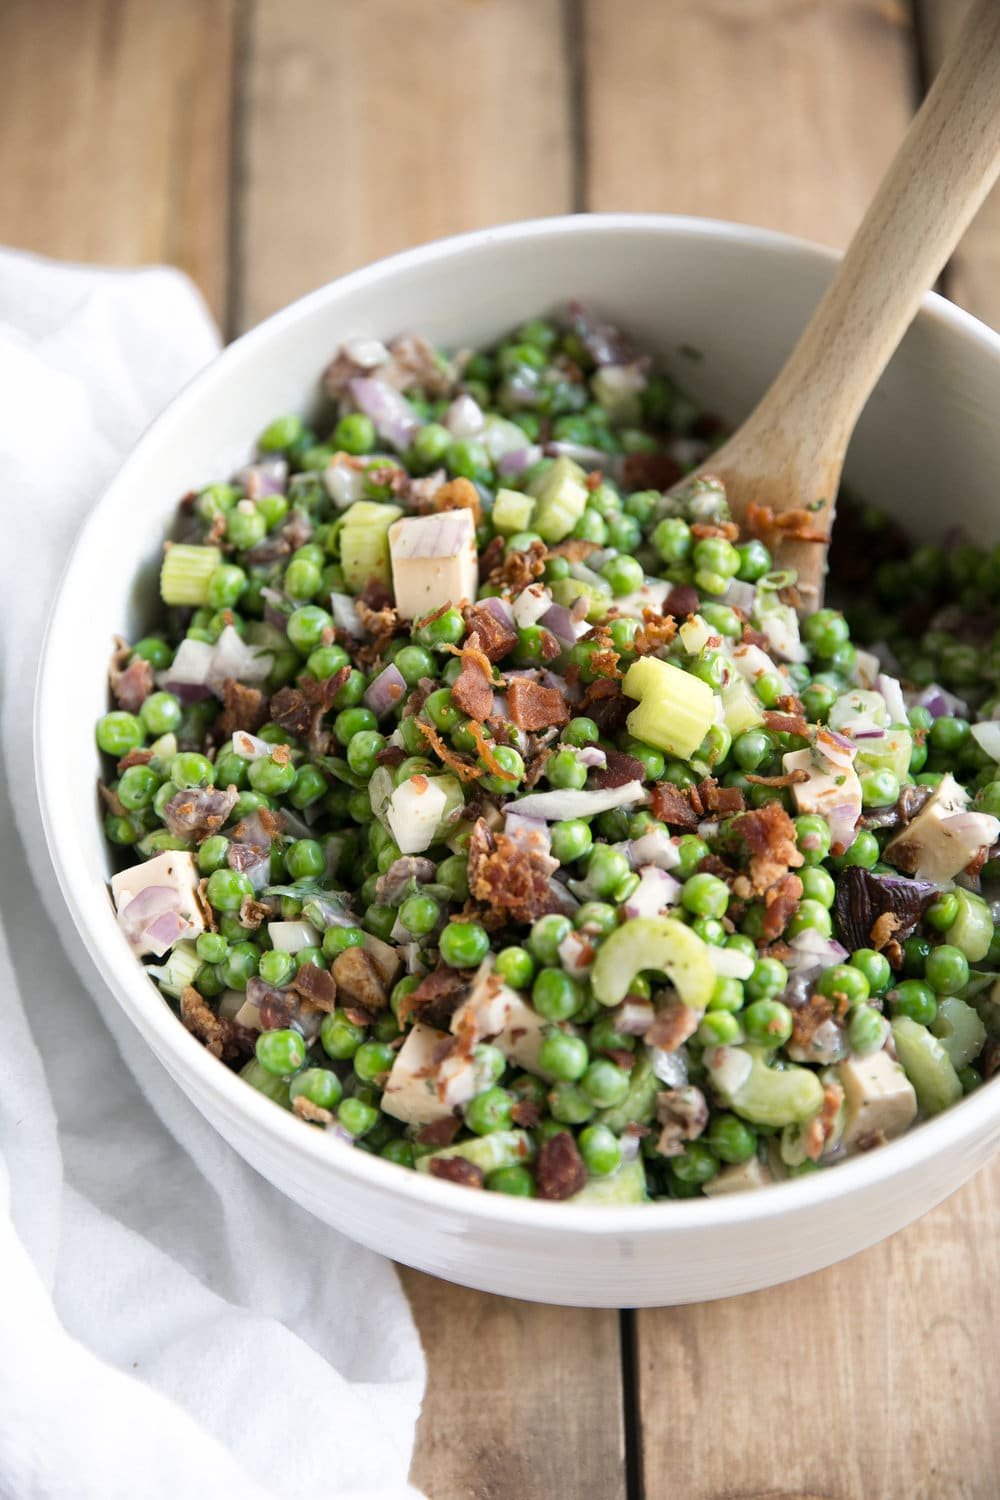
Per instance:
x=938, y=179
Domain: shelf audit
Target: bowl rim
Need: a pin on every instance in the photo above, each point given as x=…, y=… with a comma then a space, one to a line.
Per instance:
x=142, y=1002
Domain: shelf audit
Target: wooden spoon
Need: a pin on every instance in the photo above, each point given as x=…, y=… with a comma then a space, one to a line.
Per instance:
x=789, y=453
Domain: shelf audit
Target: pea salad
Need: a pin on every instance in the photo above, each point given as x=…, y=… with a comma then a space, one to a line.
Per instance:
x=483, y=800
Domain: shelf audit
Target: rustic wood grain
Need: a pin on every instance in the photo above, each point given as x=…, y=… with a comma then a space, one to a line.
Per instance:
x=376, y=124
x=874, y=1378
x=973, y=276
x=114, y=119
x=774, y=112
x=522, y=1401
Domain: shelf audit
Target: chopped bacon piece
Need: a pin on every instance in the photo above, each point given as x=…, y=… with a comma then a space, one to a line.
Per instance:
x=134, y=758
x=314, y=1114
x=511, y=876
x=884, y=929
x=197, y=812
x=821, y=1126
x=516, y=569
x=526, y=1113
x=780, y=902
x=605, y=703
x=683, y=1113
x=463, y=768
x=797, y=524
x=787, y=778
x=290, y=709
x=808, y=1019
x=620, y=770
x=790, y=723
x=682, y=600
x=533, y=706
x=358, y=979
x=456, y=1169
x=488, y=754
x=219, y=1035
x=726, y=529
x=650, y=471
x=672, y=1027
x=316, y=985
x=720, y=799
x=490, y=635
x=672, y=806
x=439, y=1132
x=768, y=834
x=655, y=632
x=436, y=998
x=559, y=1170
x=243, y=708
x=132, y=685
x=472, y=690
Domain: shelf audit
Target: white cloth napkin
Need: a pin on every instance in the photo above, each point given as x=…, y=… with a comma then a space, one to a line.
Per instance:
x=170, y=1325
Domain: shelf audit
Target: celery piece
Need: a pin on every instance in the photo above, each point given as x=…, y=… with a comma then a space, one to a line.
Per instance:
x=639, y=1104
x=972, y=929
x=741, y=707
x=772, y=1096
x=512, y=512
x=660, y=943
x=927, y=1066
x=181, y=969
x=501, y=1148
x=561, y=493
x=856, y=705
x=185, y=573
x=627, y=1185
x=891, y=753
x=695, y=634
x=959, y=1030
x=566, y=591
x=621, y=399
x=364, y=543
x=267, y=1083
x=676, y=710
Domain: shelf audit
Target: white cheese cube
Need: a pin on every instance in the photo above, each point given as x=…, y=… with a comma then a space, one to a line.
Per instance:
x=739, y=1178
x=501, y=1016
x=411, y=1090
x=163, y=885
x=877, y=1096
x=434, y=562
x=944, y=836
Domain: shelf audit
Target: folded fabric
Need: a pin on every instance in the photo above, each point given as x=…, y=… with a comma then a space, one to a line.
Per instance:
x=171, y=1325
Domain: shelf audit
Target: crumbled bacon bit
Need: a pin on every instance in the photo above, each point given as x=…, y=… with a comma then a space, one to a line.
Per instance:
x=559, y=1170
x=673, y=1026
x=254, y=913
x=490, y=635
x=756, y=638
x=134, y=758
x=720, y=799
x=780, y=903
x=619, y=771
x=821, y=1127
x=650, y=471
x=439, y=1132
x=391, y=756
x=787, y=778
x=574, y=549
x=219, y=1035
x=464, y=769
x=436, y=998
x=290, y=709
x=672, y=806
x=796, y=524
x=511, y=876
x=243, y=708
x=133, y=684
x=526, y=1113
x=515, y=569
x=605, y=703
x=683, y=1113
x=533, y=706
x=807, y=1020
x=790, y=723
x=728, y=530
x=682, y=600
x=655, y=632
x=884, y=929
x=536, y=766
x=197, y=812
x=358, y=979
x=486, y=751
x=768, y=834
x=472, y=690
x=316, y=985
x=315, y=1114
x=456, y=1169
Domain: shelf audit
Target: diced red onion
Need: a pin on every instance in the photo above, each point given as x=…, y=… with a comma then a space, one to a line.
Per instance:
x=892, y=696
x=136, y=916
x=519, y=459
x=232, y=657
x=250, y=746
x=345, y=614
x=413, y=958
x=500, y=437
x=593, y=757
x=740, y=595
x=655, y=847
x=464, y=417
x=836, y=748
x=386, y=691
x=531, y=604
x=560, y=621
x=670, y=1067
x=564, y=900
x=606, y=344
x=576, y=954
x=631, y=1145
x=843, y=821
x=868, y=734
x=187, y=675
x=499, y=608
x=366, y=353
x=633, y=1017
x=939, y=703
x=392, y=414
x=559, y=806
x=164, y=931
x=268, y=476
x=655, y=891
x=987, y=737
x=814, y=951
x=344, y=483
x=581, y=453
x=295, y=824
x=532, y=831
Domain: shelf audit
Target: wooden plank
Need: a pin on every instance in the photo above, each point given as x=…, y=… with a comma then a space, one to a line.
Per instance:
x=376, y=124
x=841, y=1385
x=522, y=1401
x=876, y=1377
x=973, y=275
x=781, y=113
x=371, y=125
x=115, y=122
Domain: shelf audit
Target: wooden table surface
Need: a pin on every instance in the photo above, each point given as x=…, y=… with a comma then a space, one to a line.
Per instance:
x=268, y=146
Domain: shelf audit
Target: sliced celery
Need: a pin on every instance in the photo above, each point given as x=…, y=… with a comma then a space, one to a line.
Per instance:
x=181, y=969
x=660, y=943
x=512, y=512
x=566, y=591
x=627, y=1185
x=160, y=841
x=959, y=1030
x=774, y=1096
x=267, y=1083
x=639, y=1104
x=561, y=494
x=185, y=573
x=972, y=929
x=741, y=707
x=364, y=543
x=927, y=1066
x=501, y=1148
x=676, y=710
x=891, y=753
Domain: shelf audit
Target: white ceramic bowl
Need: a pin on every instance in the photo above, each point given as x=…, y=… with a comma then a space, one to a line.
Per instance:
x=928, y=448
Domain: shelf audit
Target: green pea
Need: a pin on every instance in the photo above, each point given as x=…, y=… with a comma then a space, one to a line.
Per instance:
x=320, y=1086
x=489, y=1111
x=691, y=850
x=352, y=721
x=154, y=650
x=606, y=869
x=600, y=1149
x=768, y=1021
x=568, y=1104
x=705, y=895
x=357, y=1117
x=464, y=945
x=555, y=995
x=947, y=970
x=355, y=434
x=731, y=1139
x=817, y=885
x=516, y=1181
x=516, y=967
x=695, y=1165
x=564, y=771
x=571, y=840
x=866, y=1030
x=339, y=1037
x=846, y=981
x=546, y=935
x=228, y=889
x=118, y=733
x=213, y=854
x=305, y=627
x=281, y=1052
x=605, y=1083
x=875, y=968
x=245, y=526
x=372, y=1060
x=915, y=999
x=239, y=965
x=718, y=1028
x=137, y=787
x=420, y=914
x=580, y=732
x=810, y=916
x=270, y=776
x=276, y=968
x=769, y=978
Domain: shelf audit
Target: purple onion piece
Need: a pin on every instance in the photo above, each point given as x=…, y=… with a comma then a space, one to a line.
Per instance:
x=386, y=691
x=519, y=460
x=394, y=417
x=560, y=621
x=500, y=610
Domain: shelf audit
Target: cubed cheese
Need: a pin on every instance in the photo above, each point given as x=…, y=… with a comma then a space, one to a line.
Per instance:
x=411, y=1090
x=500, y=1015
x=878, y=1096
x=434, y=562
x=944, y=836
x=167, y=883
